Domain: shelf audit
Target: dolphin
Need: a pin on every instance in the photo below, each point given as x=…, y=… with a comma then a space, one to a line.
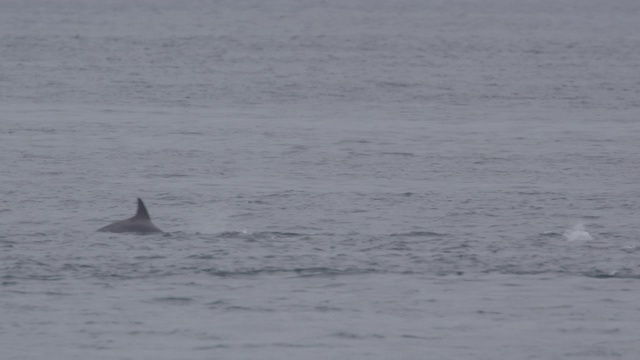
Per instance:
x=140, y=223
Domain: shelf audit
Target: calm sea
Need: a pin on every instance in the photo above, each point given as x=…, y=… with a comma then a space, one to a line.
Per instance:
x=336, y=179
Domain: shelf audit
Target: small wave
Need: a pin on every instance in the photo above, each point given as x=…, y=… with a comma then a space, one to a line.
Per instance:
x=577, y=233
x=630, y=248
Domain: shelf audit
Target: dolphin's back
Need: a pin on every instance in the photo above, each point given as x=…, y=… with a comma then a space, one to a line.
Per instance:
x=140, y=223
x=131, y=225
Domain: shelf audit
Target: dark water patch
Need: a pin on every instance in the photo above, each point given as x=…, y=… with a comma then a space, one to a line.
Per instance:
x=108, y=275
x=212, y=347
x=419, y=234
x=354, y=141
x=41, y=130
x=550, y=234
x=77, y=267
x=246, y=308
x=537, y=193
x=298, y=272
x=219, y=254
x=45, y=277
x=607, y=235
x=447, y=273
x=395, y=245
x=149, y=257
x=24, y=265
x=418, y=337
x=277, y=234
x=7, y=280
x=7, y=244
x=235, y=273
x=326, y=309
x=178, y=300
x=34, y=234
x=168, y=176
x=595, y=352
x=353, y=336
x=282, y=345
x=226, y=306
x=255, y=236
x=612, y=274
x=559, y=269
x=297, y=148
x=522, y=272
x=401, y=154
x=301, y=346
x=217, y=303
x=185, y=132
x=322, y=271
x=396, y=84
x=100, y=245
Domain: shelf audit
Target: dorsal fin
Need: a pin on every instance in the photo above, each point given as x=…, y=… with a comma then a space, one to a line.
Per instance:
x=142, y=213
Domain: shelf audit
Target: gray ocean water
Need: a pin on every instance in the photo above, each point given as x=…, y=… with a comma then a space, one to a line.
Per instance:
x=336, y=179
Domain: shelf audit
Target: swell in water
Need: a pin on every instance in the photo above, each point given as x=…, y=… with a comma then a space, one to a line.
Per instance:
x=245, y=253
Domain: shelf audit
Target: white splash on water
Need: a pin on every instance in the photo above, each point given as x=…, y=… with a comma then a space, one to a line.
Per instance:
x=577, y=233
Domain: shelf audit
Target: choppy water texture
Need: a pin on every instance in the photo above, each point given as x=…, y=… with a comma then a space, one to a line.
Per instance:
x=338, y=180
